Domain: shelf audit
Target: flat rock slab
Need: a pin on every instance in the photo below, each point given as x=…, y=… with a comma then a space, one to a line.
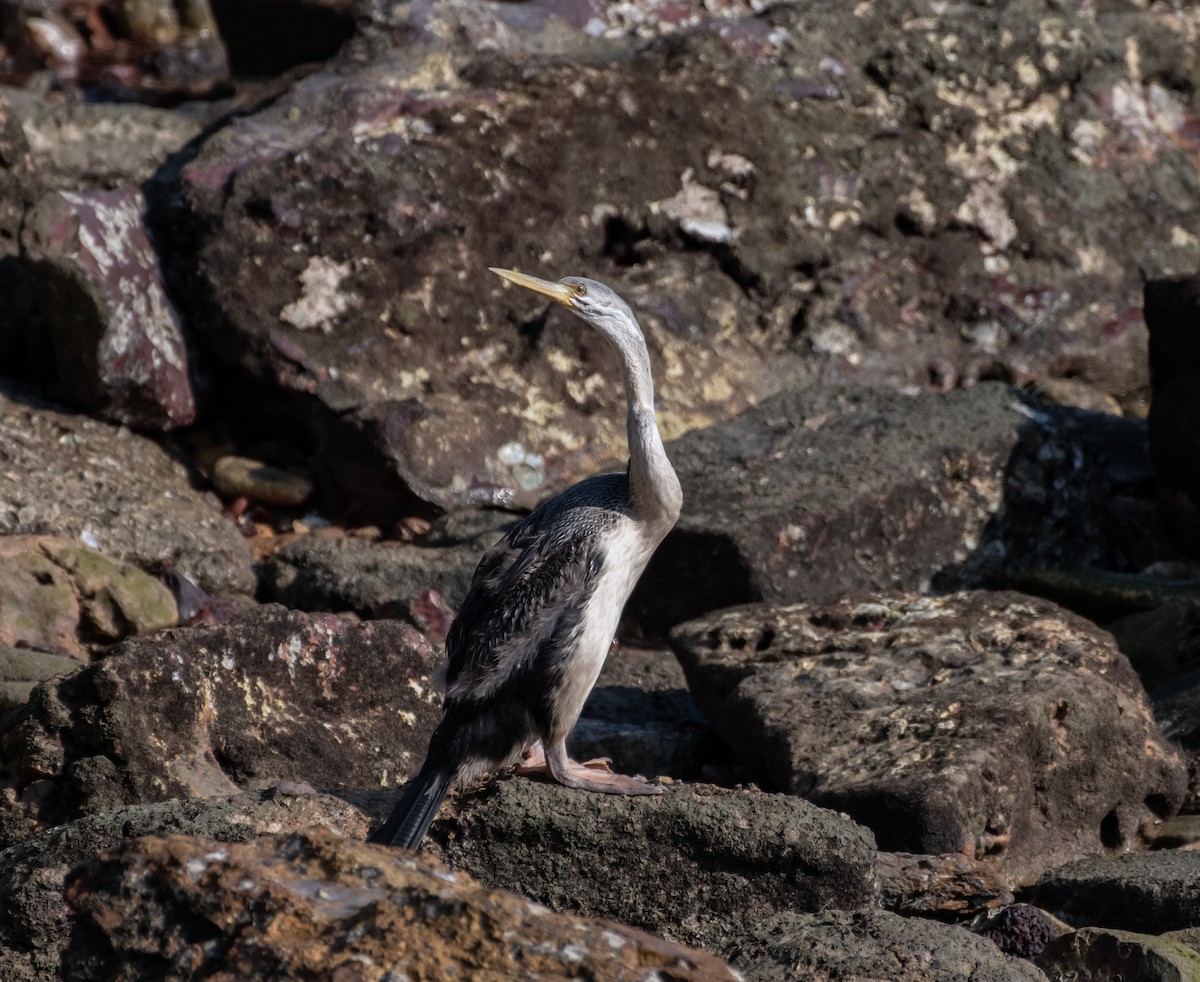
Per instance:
x=696, y=865
x=870, y=945
x=316, y=906
x=826, y=491
x=36, y=926
x=269, y=695
x=1101, y=954
x=1150, y=892
x=115, y=492
x=991, y=724
x=22, y=668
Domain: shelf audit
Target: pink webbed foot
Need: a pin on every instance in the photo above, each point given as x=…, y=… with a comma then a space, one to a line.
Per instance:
x=591, y=775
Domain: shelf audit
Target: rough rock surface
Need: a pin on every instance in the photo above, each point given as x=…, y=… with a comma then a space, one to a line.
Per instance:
x=314, y=906
x=822, y=492
x=991, y=724
x=866, y=945
x=118, y=340
x=1100, y=954
x=269, y=695
x=57, y=596
x=116, y=492
x=696, y=865
x=1149, y=892
x=766, y=223
x=1021, y=930
x=37, y=924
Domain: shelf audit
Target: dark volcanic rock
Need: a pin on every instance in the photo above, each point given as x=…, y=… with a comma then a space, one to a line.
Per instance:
x=116, y=492
x=698, y=864
x=949, y=886
x=269, y=695
x=314, y=906
x=1021, y=930
x=823, y=492
x=118, y=340
x=986, y=723
x=1099, y=954
x=866, y=945
x=37, y=923
x=1151, y=892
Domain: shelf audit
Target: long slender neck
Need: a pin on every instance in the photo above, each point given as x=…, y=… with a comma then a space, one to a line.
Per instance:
x=653, y=485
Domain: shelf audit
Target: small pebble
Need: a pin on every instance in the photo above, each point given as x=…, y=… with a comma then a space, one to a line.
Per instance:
x=237, y=477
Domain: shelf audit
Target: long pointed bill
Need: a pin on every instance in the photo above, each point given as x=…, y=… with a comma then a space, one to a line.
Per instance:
x=558, y=291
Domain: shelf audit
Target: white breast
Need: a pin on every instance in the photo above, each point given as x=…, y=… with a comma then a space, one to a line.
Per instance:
x=627, y=549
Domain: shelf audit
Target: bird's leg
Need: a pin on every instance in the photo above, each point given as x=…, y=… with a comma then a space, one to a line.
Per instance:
x=587, y=778
x=533, y=761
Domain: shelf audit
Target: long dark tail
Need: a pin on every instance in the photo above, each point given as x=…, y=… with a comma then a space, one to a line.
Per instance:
x=416, y=809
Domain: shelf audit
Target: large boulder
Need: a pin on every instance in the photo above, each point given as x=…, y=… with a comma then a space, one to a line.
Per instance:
x=270, y=695
x=698, y=864
x=114, y=491
x=316, y=906
x=821, y=492
x=991, y=724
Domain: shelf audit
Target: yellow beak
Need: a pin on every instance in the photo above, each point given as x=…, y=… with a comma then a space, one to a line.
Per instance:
x=557, y=291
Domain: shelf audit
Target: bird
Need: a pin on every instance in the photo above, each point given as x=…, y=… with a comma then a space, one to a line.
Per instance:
x=536, y=625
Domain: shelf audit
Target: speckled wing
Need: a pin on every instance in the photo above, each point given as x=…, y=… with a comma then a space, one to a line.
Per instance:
x=522, y=611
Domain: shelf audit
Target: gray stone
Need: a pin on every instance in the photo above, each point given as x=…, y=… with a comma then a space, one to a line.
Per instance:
x=1149, y=892
x=1096, y=954
x=697, y=865
x=114, y=491
x=821, y=492
x=23, y=668
x=991, y=724
x=870, y=945
x=1177, y=710
x=269, y=695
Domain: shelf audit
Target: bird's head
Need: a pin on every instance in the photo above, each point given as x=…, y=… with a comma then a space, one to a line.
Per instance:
x=587, y=299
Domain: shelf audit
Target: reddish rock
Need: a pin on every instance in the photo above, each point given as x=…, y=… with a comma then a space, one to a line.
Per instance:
x=270, y=695
x=315, y=906
x=118, y=338
x=990, y=724
x=947, y=886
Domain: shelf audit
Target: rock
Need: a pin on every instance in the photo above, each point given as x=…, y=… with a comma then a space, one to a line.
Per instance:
x=118, y=339
x=1151, y=892
x=374, y=579
x=936, y=721
x=516, y=401
x=1101, y=954
x=1161, y=642
x=117, y=493
x=945, y=886
x=57, y=596
x=1177, y=712
x=23, y=668
x=38, y=923
x=865, y=945
x=314, y=905
x=1171, y=308
x=270, y=695
x=696, y=865
x=238, y=477
x=822, y=492
x=1021, y=930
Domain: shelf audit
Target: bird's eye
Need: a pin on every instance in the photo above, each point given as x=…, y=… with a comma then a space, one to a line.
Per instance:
x=580, y=290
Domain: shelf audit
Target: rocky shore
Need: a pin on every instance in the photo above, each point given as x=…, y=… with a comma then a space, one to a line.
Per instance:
x=917, y=669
